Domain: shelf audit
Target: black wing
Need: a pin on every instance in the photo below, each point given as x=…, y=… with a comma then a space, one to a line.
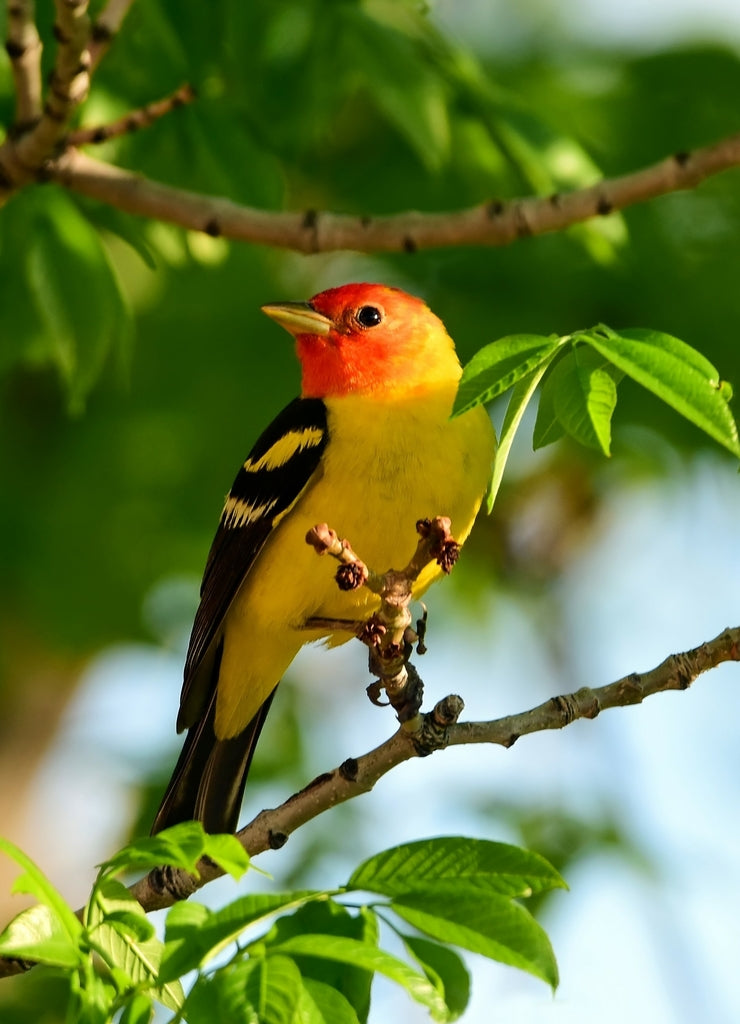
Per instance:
x=273, y=476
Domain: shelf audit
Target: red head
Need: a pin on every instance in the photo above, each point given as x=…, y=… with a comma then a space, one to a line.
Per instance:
x=367, y=337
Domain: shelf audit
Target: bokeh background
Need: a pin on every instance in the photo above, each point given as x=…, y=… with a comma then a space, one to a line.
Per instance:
x=136, y=370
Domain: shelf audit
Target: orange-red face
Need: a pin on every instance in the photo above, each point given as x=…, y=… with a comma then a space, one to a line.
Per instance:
x=366, y=337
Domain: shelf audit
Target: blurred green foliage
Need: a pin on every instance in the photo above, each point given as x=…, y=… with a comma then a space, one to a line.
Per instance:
x=347, y=106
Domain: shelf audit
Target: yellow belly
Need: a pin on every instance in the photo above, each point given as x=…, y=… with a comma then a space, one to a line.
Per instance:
x=371, y=491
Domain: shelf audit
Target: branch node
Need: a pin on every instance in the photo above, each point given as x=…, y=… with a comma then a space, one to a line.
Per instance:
x=349, y=769
x=172, y=883
x=14, y=50
x=433, y=733
x=277, y=840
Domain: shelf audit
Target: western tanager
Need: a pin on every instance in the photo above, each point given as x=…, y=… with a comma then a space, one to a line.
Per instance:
x=369, y=448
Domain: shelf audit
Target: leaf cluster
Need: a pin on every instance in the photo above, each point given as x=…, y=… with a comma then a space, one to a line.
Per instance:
x=307, y=955
x=579, y=374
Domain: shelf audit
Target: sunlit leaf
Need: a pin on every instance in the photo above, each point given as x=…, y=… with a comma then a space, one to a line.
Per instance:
x=445, y=970
x=584, y=396
x=500, y=365
x=673, y=371
x=194, y=934
x=458, y=865
x=34, y=882
x=324, y=1004
x=359, y=954
x=494, y=926
x=519, y=399
x=38, y=935
x=138, y=1011
x=122, y=934
x=326, y=917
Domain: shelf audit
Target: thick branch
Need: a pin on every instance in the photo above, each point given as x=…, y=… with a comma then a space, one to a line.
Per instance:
x=493, y=223
x=23, y=46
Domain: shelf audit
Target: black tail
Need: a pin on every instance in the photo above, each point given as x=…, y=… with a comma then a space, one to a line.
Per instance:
x=208, y=782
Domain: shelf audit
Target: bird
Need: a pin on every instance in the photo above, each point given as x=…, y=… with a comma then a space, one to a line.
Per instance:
x=369, y=447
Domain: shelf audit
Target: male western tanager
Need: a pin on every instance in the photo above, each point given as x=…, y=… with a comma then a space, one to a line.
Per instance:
x=370, y=448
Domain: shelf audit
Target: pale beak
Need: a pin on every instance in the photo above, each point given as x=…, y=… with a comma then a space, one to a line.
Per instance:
x=298, y=318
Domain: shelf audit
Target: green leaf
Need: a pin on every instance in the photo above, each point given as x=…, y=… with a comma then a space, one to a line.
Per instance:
x=494, y=926
x=121, y=934
x=223, y=997
x=500, y=365
x=181, y=846
x=520, y=398
x=547, y=427
x=445, y=970
x=228, y=853
x=673, y=371
x=138, y=1010
x=34, y=882
x=280, y=991
x=457, y=865
x=323, y=1004
x=326, y=917
x=371, y=958
x=194, y=934
x=131, y=924
x=37, y=934
x=92, y=1000
x=584, y=397
x=76, y=293
x=263, y=990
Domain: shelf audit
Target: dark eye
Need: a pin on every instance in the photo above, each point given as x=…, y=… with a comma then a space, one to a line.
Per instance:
x=368, y=316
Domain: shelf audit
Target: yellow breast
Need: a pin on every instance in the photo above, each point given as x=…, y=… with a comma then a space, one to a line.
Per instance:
x=387, y=464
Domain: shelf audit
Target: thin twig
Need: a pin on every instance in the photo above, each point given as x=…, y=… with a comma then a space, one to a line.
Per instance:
x=23, y=46
x=132, y=121
x=106, y=27
x=677, y=672
x=496, y=222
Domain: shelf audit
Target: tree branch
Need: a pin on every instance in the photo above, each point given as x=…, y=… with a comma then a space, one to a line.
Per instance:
x=105, y=29
x=43, y=153
x=23, y=159
x=23, y=46
x=272, y=828
x=134, y=120
x=494, y=223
